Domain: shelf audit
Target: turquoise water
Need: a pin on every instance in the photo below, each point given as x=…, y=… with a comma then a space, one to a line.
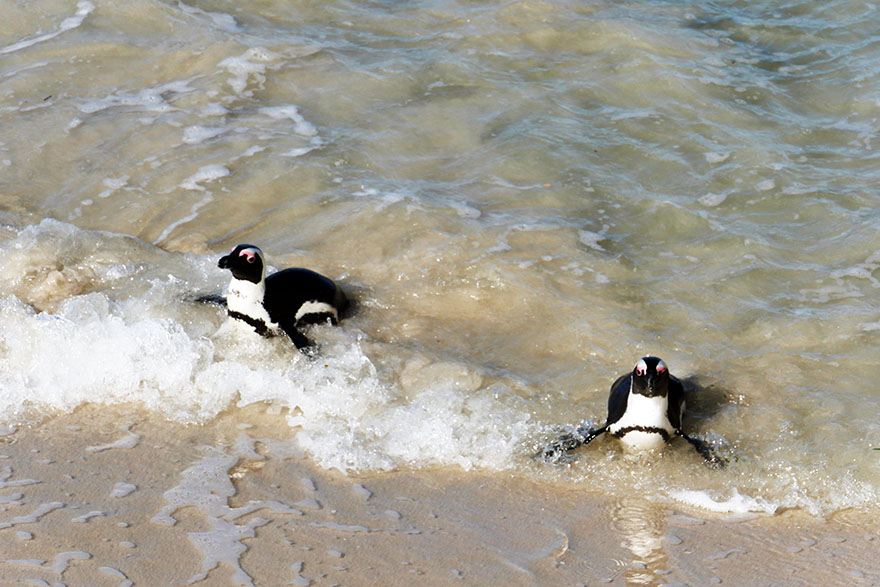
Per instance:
x=523, y=197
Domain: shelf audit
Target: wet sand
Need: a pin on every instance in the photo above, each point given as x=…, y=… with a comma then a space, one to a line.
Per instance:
x=116, y=496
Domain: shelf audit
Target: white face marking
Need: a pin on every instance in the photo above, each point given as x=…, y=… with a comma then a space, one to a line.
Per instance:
x=661, y=367
x=251, y=254
x=641, y=368
x=316, y=308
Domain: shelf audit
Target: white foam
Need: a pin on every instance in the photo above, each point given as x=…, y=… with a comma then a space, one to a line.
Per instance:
x=297, y=568
x=130, y=440
x=113, y=184
x=591, y=239
x=251, y=151
x=465, y=210
x=214, y=109
x=247, y=68
x=83, y=9
x=97, y=347
x=205, y=174
x=711, y=200
x=116, y=574
x=206, y=485
x=220, y=19
x=766, y=185
x=93, y=317
x=122, y=489
x=7, y=473
x=735, y=504
x=59, y=566
x=89, y=352
x=199, y=134
x=152, y=99
x=361, y=491
x=222, y=543
x=34, y=517
x=713, y=157
x=291, y=112
x=309, y=503
x=300, y=151
x=12, y=498
x=86, y=517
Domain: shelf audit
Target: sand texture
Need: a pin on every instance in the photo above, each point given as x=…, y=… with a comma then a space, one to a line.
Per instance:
x=116, y=497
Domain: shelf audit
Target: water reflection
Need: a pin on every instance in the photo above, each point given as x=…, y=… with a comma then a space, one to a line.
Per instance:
x=641, y=525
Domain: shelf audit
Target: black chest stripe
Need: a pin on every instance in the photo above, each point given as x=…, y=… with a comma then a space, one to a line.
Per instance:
x=649, y=429
x=257, y=324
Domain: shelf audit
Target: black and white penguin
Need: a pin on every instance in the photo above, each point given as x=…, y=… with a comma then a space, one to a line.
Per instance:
x=282, y=302
x=645, y=410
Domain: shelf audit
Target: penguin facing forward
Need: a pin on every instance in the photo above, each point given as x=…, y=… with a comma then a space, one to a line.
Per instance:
x=645, y=410
x=284, y=302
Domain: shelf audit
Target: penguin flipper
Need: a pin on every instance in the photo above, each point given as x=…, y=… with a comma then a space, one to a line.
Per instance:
x=570, y=441
x=617, y=398
x=212, y=298
x=676, y=404
x=302, y=342
x=705, y=449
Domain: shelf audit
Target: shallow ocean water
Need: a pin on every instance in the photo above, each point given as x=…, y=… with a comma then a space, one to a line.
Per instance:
x=524, y=198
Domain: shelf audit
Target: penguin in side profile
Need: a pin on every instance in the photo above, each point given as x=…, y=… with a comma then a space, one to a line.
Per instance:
x=285, y=301
x=645, y=410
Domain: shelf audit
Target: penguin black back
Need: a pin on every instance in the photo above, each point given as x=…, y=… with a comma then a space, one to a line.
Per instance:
x=311, y=297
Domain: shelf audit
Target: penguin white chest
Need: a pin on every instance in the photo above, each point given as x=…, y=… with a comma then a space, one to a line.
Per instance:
x=246, y=298
x=645, y=424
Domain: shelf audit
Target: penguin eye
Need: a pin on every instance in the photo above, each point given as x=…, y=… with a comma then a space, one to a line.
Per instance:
x=248, y=255
x=250, y=259
x=640, y=371
x=661, y=369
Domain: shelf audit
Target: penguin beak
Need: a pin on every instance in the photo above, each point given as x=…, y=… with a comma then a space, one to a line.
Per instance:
x=223, y=263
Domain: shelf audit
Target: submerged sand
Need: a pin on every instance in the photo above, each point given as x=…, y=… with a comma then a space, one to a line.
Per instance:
x=116, y=496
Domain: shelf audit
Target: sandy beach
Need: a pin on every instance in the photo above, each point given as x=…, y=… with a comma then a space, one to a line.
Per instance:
x=522, y=199
x=117, y=497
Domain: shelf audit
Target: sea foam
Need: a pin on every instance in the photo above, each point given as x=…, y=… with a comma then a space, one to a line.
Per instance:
x=735, y=504
x=82, y=328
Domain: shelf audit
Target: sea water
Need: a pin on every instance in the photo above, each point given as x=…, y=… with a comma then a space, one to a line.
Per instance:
x=522, y=197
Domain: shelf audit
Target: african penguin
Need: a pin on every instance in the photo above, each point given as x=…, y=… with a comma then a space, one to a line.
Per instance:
x=645, y=410
x=282, y=302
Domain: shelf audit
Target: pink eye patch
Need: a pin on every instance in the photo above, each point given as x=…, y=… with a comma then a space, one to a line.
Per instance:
x=247, y=254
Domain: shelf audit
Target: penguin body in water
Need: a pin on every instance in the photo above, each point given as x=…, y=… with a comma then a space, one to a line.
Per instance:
x=645, y=411
x=285, y=301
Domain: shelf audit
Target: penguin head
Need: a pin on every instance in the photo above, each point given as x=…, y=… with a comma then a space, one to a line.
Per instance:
x=245, y=262
x=650, y=377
